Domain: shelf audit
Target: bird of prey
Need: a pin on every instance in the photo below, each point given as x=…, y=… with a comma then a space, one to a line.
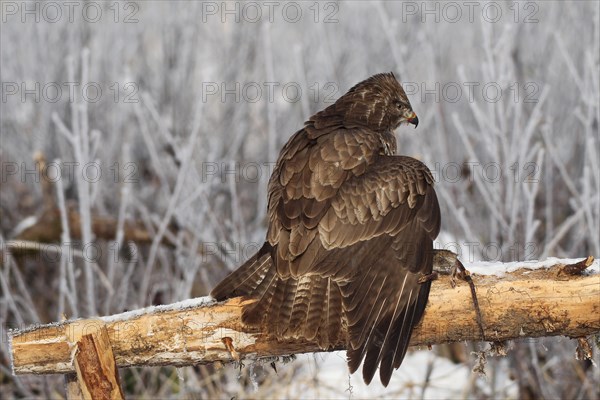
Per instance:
x=350, y=233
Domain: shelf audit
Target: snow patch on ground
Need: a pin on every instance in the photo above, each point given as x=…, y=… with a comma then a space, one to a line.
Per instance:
x=422, y=375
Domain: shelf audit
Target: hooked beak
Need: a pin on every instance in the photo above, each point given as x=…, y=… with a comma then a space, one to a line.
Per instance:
x=413, y=119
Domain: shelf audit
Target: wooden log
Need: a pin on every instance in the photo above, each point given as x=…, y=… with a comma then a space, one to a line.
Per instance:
x=522, y=302
x=47, y=228
x=96, y=368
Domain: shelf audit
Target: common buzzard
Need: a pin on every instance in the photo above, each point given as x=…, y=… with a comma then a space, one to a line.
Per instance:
x=350, y=236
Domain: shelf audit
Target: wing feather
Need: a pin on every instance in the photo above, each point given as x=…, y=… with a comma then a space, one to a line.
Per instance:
x=349, y=229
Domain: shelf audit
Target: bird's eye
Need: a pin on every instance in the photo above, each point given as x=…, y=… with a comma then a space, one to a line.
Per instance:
x=398, y=105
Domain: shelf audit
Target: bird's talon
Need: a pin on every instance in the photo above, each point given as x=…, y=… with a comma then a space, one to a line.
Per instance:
x=453, y=282
x=427, y=278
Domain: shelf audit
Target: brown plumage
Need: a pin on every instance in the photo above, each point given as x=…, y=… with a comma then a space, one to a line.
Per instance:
x=351, y=230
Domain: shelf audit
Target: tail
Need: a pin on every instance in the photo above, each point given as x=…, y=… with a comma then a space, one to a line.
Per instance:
x=245, y=280
x=309, y=307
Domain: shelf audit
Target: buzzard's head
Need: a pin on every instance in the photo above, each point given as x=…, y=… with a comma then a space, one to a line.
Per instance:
x=378, y=102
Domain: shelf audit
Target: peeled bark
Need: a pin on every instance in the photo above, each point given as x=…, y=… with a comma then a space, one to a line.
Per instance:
x=97, y=372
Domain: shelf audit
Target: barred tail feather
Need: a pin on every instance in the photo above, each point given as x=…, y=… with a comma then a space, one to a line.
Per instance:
x=308, y=307
x=246, y=279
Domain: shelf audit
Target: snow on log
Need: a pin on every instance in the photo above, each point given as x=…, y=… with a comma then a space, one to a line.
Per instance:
x=517, y=300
